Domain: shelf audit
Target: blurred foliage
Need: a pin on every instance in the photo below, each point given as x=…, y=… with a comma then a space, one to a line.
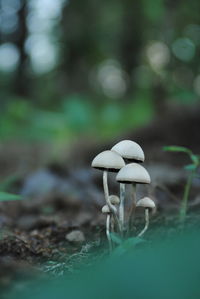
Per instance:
x=4, y=196
x=71, y=68
x=167, y=268
x=76, y=115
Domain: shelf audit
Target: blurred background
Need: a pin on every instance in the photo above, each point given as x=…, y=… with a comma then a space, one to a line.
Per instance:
x=93, y=70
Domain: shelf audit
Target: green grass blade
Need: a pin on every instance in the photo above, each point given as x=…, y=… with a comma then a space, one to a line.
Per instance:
x=174, y=148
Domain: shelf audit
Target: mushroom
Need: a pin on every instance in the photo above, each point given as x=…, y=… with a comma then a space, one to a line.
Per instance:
x=108, y=161
x=114, y=199
x=106, y=210
x=131, y=151
x=131, y=174
x=148, y=204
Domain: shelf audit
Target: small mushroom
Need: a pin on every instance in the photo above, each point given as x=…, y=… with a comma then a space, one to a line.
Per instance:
x=106, y=210
x=133, y=173
x=108, y=161
x=114, y=199
x=148, y=204
x=133, y=152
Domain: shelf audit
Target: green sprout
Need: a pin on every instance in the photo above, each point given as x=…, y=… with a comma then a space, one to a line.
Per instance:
x=192, y=169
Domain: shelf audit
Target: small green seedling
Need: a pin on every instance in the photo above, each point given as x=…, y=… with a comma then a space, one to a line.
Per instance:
x=192, y=169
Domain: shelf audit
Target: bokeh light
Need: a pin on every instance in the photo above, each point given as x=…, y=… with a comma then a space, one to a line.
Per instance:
x=183, y=49
x=112, y=79
x=43, y=49
x=9, y=57
x=42, y=53
x=158, y=55
x=9, y=22
x=11, y=6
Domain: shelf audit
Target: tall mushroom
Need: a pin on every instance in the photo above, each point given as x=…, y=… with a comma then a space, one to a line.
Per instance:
x=133, y=152
x=148, y=204
x=133, y=173
x=108, y=161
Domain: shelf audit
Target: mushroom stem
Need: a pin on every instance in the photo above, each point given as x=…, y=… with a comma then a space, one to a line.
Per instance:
x=146, y=223
x=121, y=206
x=133, y=195
x=133, y=205
x=108, y=232
x=106, y=192
x=105, y=185
x=112, y=224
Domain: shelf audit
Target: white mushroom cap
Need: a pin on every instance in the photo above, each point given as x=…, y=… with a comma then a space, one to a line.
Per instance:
x=130, y=150
x=133, y=173
x=106, y=209
x=114, y=199
x=146, y=203
x=108, y=160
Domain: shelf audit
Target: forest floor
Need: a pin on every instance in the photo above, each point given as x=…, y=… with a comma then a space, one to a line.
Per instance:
x=58, y=224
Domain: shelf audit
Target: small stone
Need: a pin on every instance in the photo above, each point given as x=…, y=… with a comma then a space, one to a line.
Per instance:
x=75, y=236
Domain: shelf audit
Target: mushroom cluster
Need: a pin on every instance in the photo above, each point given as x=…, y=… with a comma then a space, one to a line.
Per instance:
x=125, y=159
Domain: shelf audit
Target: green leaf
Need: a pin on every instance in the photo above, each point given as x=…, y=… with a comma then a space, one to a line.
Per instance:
x=190, y=167
x=174, y=148
x=195, y=159
x=4, y=196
